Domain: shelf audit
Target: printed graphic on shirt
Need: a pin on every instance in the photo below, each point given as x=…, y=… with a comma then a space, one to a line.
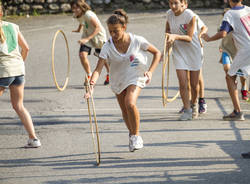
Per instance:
x=240, y=73
x=246, y=22
x=86, y=25
x=134, y=61
x=10, y=35
x=183, y=28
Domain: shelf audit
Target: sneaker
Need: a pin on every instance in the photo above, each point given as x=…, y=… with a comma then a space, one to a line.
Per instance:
x=33, y=143
x=106, y=82
x=244, y=94
x=234, y=116
x=202, y=106
x=135, y=143
x=187, y=115
x=195, y=111
x=245, y=155
x=181, y=111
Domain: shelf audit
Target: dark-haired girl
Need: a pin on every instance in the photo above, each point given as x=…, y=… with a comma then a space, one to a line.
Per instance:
x=126, y=54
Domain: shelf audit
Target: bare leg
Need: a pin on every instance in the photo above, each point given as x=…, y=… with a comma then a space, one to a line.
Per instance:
x=16, y=95
x=226, y=67
x=121, y=100
x=1, y=90
x=194, y=80
x=107, y=67
x=85, y=62
x=189, y=85
x=201, y=85
x=232, y=89
x=133, y=113
x=183, y=84
x=127, y=101
x=243, y=83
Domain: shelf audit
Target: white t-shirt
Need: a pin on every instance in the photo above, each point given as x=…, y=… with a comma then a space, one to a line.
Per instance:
x=88, y=29
x=11, y=61
x=186, y=55
x=129, y=68
x=240, y=22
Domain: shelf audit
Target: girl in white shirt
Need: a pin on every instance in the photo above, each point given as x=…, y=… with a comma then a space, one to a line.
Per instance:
x=126, y=55
x=182, y=33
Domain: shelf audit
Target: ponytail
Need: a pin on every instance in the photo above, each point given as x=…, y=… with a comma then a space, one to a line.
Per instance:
x=119, y=17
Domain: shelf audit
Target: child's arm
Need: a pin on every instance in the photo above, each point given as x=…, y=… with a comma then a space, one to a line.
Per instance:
x=202, y=32
x=24, y=46
x=95, y=76
x=188, y=37
x=217, y=36
x=78, y=29
x=95, y=32
x=156, y=59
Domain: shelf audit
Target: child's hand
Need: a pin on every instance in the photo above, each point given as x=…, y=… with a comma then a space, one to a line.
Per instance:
x=170, y=38
x=83, y=41
x=90, y=92
x=205, y=37
x=148, y=74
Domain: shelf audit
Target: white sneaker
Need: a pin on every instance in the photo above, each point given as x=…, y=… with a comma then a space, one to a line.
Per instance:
x=135, y=143
x=187, y=115
x=33, y=143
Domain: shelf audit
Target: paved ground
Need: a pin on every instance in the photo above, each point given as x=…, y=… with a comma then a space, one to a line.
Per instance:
x=205, y=151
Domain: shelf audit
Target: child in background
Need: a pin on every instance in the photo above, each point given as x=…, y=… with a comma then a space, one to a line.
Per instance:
x=229, y=50
x=129, y=73
x=237, y=21
x=182, y=33
x=93, y=36
x=202, y=103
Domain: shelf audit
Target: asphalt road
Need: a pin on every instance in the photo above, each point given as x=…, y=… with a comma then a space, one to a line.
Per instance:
x=204, y=151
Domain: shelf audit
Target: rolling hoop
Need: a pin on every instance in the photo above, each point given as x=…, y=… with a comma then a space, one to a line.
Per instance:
x=166, y=63
x=53, y=61
x=95, y=139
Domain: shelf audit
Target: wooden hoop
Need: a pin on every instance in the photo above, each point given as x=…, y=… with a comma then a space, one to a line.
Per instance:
x=53, y=61
x=165, y=63
x=96, y=141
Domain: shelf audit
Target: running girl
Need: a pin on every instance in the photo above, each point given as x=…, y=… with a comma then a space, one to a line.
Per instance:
x=12, y=72
x=126, y=54
x=93, y=35
x=237, y=21
x=181, y=32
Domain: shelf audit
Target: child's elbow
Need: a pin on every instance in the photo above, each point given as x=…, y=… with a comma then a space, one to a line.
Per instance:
x=27, y=49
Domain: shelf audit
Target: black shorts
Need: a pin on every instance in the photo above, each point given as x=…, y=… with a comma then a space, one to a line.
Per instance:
x=85, y=48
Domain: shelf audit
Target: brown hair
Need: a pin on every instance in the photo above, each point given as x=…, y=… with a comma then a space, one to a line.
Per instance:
x=118, y=17
x=82, y=4
x=2, y=36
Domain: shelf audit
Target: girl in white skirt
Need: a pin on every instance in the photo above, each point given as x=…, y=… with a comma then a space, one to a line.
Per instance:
x=182, y=34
